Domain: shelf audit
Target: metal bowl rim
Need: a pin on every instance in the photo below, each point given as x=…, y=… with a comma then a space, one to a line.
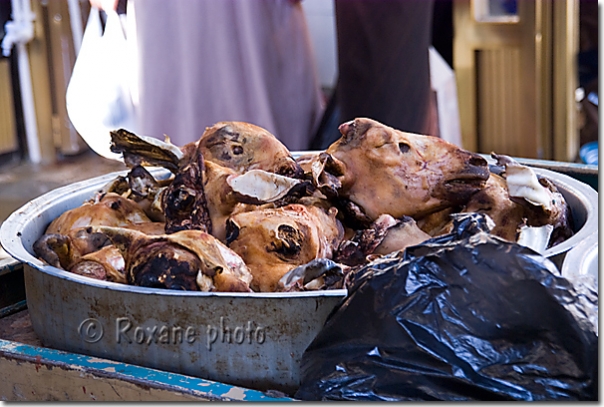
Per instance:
x=583, y=253
x=587, y=195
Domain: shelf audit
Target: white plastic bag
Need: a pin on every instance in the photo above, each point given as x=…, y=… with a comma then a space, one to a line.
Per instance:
x=443, y=82
x=98, y=95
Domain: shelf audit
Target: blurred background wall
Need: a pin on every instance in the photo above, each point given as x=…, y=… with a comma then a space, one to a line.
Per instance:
x=525, y=72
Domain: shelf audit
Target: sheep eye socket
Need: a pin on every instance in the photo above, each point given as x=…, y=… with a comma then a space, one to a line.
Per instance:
x=232, y=231
x=404, y=147
x=288, y=242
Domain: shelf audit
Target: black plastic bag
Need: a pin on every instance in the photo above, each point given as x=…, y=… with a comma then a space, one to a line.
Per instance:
x=466, y=316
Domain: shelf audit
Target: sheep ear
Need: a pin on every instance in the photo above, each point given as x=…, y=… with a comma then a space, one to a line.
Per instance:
x=326, y=171
x=259, y=186
x=335, y=166
x=141, y=150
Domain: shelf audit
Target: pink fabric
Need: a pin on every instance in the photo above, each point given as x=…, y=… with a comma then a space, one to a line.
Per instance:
x=204, y=61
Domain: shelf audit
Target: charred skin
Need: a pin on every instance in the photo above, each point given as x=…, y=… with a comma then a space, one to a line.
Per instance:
x=510, y=214
x=384, y=236
x=147, y=192
x=141, y=183
x=387, y=171
x=494, y=200
x=119, y=185
x=163, y=265
x=244, y=146
x=225, y=268
x=154, y=261
x=139, y=186
x=184, y=202
x=351, y=214
x=354, y=251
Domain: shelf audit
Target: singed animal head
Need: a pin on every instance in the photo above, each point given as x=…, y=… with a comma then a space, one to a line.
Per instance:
x=272, y=241
x=243, y=146
x=387, y=171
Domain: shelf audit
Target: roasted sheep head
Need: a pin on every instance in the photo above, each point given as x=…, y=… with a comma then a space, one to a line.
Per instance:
x=272, y=241
x=524, y=208
x=387, y=171
x=106, y=209
x=69, y=237
x=185, y=260
x=198, y=197
x=228, y=192
x=243, y=146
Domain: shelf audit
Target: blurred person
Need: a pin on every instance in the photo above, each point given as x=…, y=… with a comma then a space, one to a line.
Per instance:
x=383, y=63
x=205, y=61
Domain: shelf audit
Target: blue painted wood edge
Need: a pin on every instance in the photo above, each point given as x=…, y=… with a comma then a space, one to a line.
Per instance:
x=11, y=309
x=8, y=265
x=134, y=373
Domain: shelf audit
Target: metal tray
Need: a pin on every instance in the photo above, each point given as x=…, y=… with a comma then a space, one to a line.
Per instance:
x=253, y=340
